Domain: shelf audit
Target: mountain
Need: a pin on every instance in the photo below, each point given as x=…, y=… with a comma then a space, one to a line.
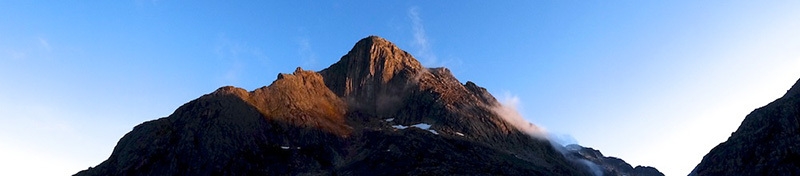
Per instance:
x=604, y=165
x=766, y=143
x=377, y=111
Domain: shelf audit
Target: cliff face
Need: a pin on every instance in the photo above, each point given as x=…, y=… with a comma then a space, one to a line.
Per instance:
x=376, y=111
x=766, y=143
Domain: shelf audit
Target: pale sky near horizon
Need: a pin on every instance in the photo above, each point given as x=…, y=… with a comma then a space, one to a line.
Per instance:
x=653, y=83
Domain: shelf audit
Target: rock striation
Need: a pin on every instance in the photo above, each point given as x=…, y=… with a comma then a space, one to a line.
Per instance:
x=766, y=143
x=376, y=111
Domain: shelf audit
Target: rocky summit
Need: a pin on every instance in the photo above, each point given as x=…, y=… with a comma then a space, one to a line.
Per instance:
x=766, y=143
x=377, y=111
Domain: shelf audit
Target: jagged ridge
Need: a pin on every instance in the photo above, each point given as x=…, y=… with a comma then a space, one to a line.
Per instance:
x=376, y=111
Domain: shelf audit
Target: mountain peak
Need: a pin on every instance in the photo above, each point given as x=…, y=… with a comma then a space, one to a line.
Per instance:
x=374, y=67
x=376, y=111
x=375, y=58
x=374, y=39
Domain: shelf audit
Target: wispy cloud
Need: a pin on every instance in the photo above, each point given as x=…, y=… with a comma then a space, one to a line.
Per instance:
x=46, y=45
x=420, y=42
x=306, y=52
x=508, y=111
x=141, y=3
x=38, y=47
x=13, y=54
x=235, y=55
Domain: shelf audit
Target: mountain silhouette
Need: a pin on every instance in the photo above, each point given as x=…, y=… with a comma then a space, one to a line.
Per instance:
x=377, y=111
x=766, y=143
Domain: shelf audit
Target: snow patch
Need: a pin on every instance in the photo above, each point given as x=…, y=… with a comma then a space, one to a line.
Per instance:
x=434, y=132
x=285, y=147
x=423, y=126
x=399, y=127
x=459, y=133
x=389, y=119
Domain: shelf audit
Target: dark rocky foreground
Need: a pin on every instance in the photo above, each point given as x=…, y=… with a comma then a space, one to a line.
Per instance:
x=376, y=111
x=766, y=143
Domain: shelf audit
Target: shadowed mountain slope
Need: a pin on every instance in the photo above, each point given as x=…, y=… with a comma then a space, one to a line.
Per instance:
x=766, y=143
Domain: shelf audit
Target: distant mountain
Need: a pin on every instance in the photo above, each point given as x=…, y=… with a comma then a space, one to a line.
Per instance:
x=377, y=111
x=603, y=165
x=766, y=143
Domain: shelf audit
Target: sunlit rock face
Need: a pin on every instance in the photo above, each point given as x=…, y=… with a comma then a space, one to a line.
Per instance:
x=766, y=143
x=376, y=111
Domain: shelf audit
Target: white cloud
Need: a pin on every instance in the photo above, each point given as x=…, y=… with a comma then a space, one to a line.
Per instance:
x=508, y=111
x=421, y=43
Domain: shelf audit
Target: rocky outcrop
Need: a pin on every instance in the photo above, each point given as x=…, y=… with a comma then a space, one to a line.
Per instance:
x=766, y=143
x=376, y=111
x=605, y=165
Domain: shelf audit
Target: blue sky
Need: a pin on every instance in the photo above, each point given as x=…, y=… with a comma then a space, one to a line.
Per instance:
x=654, y=83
